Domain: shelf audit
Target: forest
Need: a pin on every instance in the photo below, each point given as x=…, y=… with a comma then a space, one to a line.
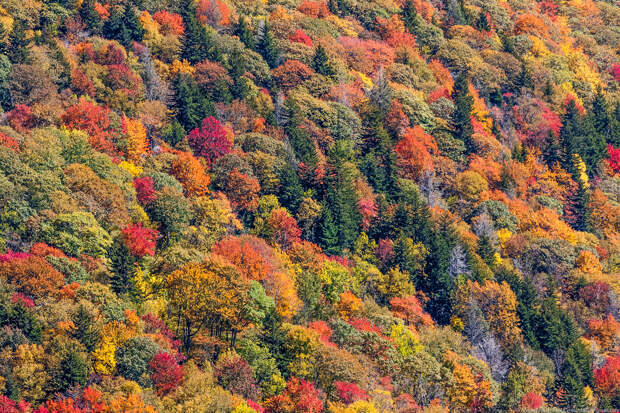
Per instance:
x=309, y=206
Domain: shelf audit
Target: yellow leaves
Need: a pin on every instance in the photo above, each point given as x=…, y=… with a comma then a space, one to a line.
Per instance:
x=183, y=66
x=345, y=27
x=104, y=357
x=6, y=20
x=366, y=81
x=349, y=305
x=457, y=324
x=405, y=340
x=131, y=168
x=539, y=49
x=146, y=283
x=503, y=235
x=29, y=373
x=588, y=263
x=582, y=175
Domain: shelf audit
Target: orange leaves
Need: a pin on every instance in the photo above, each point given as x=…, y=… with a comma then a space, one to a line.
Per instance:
x=410, y=309
x=243, y=252
x=137, y=144
x=414, y=152
x=169, y=23
x=32, y=275
x=349, y=305
x=191, y=173
x=292, y=73
x=242, y=190
x=530, y=24
x=96, y=122
x=605, y=332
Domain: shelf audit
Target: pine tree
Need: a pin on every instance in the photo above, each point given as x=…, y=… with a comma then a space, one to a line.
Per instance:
x=409, y=16
x=122, y=265
x=123, y=25
x=191, y=107
x=19, y=45
x=482, y=23
x=525, y=78
x=4, y=40
x=576, y=373
x=552, y=151
x=267, y=48
x=90, y=17
x=601, y=119
x=299, y=139
x=381, y=92
x=174, y=133
x=569, y=134
x=73, y=371
x=86, y=331
x=496, y=97
x=486, y=250
x=320, y=62
x=291, y=192
x=461, y=117
x=197, y=43
x=328, y=233
x=243, y=31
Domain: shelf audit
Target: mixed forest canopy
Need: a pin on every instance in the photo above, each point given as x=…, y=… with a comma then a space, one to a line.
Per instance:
x=283, y=206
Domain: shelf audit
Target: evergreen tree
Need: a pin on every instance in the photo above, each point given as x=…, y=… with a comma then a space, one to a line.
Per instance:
x=320, y=62
x=548, y=90
x=267, y=48
x=482, y=23
x=525, y=78
x=381, y=93
x=4, y=40
x=569, y=134
x=409, y=16
x=86, y=331
x=601, y=119
x=19, y=44
x=299, y=139
x=191, y=107
x=73, y=371
x=197, y=43
x=291, y=192
x=579, y=208
x=461, y=117
x=329, y=233
x=122, y=265
x=243, y=31
x=123, y=25
x=90, y=17
x=379, y=165
x=496, y=97
x=576, y=373
x=173, y=133
x=486, y=250
x=552, y=151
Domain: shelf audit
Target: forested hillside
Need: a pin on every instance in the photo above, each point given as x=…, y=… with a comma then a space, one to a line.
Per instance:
x=282, y=206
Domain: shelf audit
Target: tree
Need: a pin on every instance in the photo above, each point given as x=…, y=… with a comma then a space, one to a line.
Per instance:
x=91, y=19
x=210, y=140
x=198, y=44
x=166, y=373
x=73, y=371
x=461, y=117
x=291, y=192
x=266, y=45
x=19, y=44
x=482, y=23
x=190, y=106
x=243, y=31
x=140, y=240
x=123, y=25
x=320, y=62
x=133, y=357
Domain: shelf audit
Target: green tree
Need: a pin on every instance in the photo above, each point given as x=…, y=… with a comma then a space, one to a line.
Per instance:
x=74, y=371
x=291, y=192
x=190, y=106
x=320, y=62
x=123, y=25
x=90, y=17
x=328, y=233
x=461, y=117
x=483, y=21
x=243, y=31
x=19, y=44
x=267, y=47
x=198, y=44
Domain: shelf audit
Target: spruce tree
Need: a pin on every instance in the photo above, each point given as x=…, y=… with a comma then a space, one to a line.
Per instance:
x=496, y=97
x=291, y=192
x=73, y=371
x=4, y=40
x=381, y=93
x=525, y=78
x=569, y=134
x=191, y=107
x=320, y=62
x=328, y=232
x=122, y=265
x=86, y=331
x=173, y=133
x=197, y=43
x=267, y=48
x=243, y=31
x=601, y=119
x=552, y=151
x=486, y=250
x=19, y=44
x=461, y=117
x=123, y=25
x=482, y=23
x=90, y=17
x=409, y=16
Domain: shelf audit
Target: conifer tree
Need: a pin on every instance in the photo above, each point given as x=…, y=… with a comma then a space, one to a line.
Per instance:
x=328, y=233
x=191, y=107
x=243, y=31
x=525, y=78
x=266, y=46
x=552, y=151
x=174, y=133
x=381, y=92
x=90, y=17
x=4, y=40
x=122, y=265
x=19, y=45
x=601, y=119
x=482, y=23
x=486, y=250
x=291, y=192
x=409, y=16
x=197, y=43
x=123, y=25
x=320, y=62
x=86, y=331
x=461, y=117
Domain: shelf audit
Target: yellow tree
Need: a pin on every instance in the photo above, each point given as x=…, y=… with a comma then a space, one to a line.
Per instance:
x=137, y=144
x=208, y=296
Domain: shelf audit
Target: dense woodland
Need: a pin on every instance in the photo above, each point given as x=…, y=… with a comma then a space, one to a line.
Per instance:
x=278, y=206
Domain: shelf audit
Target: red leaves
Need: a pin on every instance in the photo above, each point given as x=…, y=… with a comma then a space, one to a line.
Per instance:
x=20, y=118
x=284, y=229
x=614, y=158
x=349, y=392
x=299, y=396
x=145, y=189
x=242, y=190
x=19, y=298
x=242, y=252
x=95, y=121
x=299, y=36
x=140, y=240
x=9, y=406
x=209, y=141
x=615, y=71
x=8, y=142
x=166, y=373
x=169, y=23
x=607, y=378
x=292, y=73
